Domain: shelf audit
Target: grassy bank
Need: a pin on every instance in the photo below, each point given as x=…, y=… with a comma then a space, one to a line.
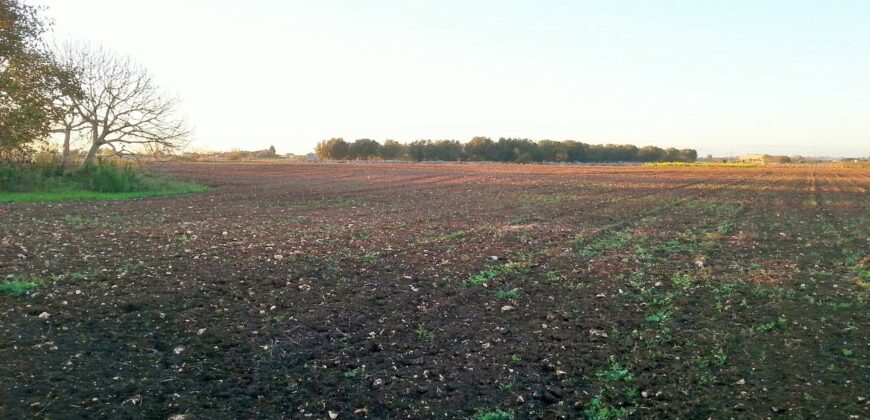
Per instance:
x=704, y=164
x=104, y=181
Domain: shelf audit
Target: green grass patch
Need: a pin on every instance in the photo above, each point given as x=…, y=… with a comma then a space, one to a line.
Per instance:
x=454, y=235
x=18, y=287
x=80, y=195
x=658, y=317
x=78, y=276
x=483, y=277
x=517, y=267
x=599, y=410
x=615, y=372
x=781, y=324
x=352, y=374
x=682, y=281
x=611, y=241
x=424, y=334
x=106, y=181
x=720, y=357
x=704, y=164
x=859, y=267
x=494, y=415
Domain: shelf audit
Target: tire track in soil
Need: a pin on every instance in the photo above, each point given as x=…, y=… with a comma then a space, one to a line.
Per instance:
x=710, y=324
x=555, y=248
x=469, y=296
x=599, y=232
x=551, y=250
x=824, y=211
x=589, y=210
x=386, y=295
x=789, y=388
x=691, y=335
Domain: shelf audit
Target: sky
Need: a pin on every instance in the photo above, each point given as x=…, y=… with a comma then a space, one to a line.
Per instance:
x=724, y=77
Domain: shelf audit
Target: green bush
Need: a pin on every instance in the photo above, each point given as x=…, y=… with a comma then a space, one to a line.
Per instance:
x=36, y=177
x=43, y=176
x=45, y=180
x=110, y=178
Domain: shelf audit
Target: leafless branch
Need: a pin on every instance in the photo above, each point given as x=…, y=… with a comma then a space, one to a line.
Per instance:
x=121, y=105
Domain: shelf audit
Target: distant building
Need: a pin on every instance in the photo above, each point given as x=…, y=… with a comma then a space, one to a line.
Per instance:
x=751, y=158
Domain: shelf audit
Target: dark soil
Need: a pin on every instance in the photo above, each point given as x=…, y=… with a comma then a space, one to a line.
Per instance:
x=452, y=291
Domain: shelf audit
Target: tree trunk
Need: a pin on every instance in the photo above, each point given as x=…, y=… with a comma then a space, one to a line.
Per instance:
x=65, y=159
x=96, y=142
x=92, y=152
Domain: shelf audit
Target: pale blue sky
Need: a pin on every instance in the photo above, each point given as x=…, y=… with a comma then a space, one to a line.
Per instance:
x=783, y=77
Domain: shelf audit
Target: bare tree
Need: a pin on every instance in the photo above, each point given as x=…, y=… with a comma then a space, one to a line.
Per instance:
x=69, y=120
x=120, y=105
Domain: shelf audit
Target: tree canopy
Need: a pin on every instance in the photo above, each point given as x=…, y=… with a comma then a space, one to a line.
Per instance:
x=481, y=149
x=30, y=80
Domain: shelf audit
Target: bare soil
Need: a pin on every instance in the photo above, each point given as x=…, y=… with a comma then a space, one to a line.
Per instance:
x=442, y=290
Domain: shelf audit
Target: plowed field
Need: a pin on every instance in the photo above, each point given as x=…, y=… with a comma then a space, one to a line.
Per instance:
x=445, y=290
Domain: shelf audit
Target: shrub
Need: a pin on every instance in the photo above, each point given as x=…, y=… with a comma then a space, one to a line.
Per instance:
x=45, y=179
x=109, y=178
x=47, y=175
x=29, y=177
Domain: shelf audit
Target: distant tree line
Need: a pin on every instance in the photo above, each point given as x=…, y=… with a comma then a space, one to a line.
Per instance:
x=481, y=149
